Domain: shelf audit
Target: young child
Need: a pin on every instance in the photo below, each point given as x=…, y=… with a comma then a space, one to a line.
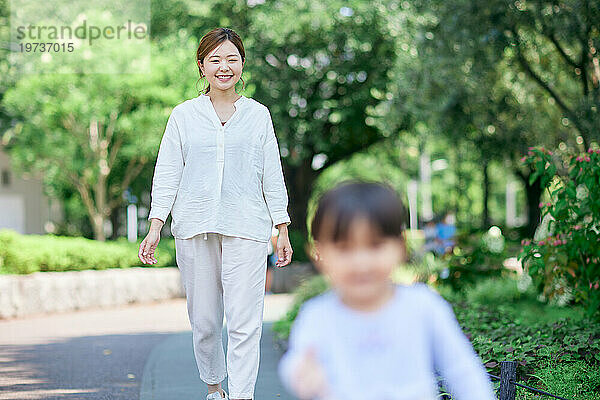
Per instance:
x=368, y=338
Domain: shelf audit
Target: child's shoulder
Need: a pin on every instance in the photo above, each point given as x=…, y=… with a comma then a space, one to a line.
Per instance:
x=422, y=294
x=321, y=301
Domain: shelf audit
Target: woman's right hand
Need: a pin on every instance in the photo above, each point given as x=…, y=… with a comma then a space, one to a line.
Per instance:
x=150, y=243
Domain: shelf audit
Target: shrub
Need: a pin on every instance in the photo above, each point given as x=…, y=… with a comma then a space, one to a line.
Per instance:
x=500, y=291
x=568, y=259
x=575, y=381
x=24, y=254
x=476, y=255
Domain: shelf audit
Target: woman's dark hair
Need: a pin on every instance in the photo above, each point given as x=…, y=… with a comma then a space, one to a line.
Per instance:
x=211, y=40
x=339, y=207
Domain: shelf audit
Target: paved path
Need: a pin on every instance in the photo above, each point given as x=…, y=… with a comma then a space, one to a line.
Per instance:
x=136, y=352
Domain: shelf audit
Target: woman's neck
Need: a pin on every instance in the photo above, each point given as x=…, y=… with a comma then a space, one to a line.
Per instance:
x=222, y=97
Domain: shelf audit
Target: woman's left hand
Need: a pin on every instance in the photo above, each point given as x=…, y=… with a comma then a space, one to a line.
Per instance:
x=284, y=250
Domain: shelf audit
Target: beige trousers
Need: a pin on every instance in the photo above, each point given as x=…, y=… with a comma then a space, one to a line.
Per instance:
x=225, y=274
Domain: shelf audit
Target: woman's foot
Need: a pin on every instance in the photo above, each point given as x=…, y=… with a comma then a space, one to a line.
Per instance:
x=218, y=395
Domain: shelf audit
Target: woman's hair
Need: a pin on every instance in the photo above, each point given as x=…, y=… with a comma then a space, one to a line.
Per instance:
x=211, y=40
x=339, y=207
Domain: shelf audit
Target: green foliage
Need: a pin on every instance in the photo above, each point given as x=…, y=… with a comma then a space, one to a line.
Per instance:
x=25, y=254
x=496, y=336
x=298, y=242
x=569, y=257
x=91, y=137
x=476, y=255
x=575, y=381
x=496, y=291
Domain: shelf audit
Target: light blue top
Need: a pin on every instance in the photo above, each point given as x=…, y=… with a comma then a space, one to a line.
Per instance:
x=391, y=353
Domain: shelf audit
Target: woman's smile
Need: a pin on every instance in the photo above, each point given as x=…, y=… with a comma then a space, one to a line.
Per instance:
x=224, y=78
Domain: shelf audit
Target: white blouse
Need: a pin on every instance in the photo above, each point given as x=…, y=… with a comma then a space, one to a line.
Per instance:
x=214, y=178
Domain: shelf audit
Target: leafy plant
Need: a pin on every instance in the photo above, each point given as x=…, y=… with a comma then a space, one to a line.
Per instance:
x=25, y=254
x=568, y=258
x=476, y=255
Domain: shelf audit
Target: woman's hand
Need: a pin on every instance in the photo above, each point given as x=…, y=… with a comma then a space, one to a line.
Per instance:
x=284, y=248
x=150, y=243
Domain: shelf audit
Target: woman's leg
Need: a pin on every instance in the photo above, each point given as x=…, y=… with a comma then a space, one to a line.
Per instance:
x=243, y=277
x=199, y=261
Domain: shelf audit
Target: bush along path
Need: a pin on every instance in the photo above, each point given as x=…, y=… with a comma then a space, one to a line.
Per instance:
x=25, y=254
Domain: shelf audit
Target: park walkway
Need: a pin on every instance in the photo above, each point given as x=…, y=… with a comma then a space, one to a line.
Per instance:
x=141, y=351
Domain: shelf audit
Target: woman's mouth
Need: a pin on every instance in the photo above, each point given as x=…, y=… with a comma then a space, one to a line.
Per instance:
x=224, y=78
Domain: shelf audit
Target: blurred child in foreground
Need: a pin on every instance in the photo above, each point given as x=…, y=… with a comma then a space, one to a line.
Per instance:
x=369, y=338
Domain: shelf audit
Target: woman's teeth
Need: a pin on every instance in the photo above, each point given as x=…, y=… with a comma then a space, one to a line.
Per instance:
x=224, y=78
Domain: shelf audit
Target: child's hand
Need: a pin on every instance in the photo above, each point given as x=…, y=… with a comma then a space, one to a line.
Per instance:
x=309, y=378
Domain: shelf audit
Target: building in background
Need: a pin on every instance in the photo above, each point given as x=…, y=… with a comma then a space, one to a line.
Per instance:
x=23, y=205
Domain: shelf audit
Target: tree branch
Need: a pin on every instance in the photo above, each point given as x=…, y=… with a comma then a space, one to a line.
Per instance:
x=541, y=82
x=132, y=171
x=562, y=52
x=544, y=85
x=113, y=152
x=110, y=129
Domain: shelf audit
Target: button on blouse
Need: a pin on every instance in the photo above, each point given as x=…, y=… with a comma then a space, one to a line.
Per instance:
x=219, y=177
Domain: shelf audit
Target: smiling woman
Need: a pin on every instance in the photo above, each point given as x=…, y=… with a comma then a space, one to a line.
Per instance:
x=219, y=175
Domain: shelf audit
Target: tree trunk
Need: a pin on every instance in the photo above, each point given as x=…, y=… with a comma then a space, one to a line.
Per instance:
x=485, y=220
x=115, y=221
x=299, y=180
x=98, y=225
x=534, y=194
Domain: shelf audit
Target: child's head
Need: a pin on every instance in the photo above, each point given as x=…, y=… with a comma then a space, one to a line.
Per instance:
x=358, y=238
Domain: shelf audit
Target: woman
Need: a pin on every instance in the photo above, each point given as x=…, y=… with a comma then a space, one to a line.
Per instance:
x=218, y=172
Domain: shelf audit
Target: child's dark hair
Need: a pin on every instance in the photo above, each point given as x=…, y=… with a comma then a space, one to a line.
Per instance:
x=339, y=207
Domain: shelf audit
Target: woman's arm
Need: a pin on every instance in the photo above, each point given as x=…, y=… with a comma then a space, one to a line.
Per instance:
x=167, y=173
x=273, y=183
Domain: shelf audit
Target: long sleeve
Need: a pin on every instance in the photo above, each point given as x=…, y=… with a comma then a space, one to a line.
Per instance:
x=273, y=183
x=167, y=172
x=454, y=357
x=302, y=336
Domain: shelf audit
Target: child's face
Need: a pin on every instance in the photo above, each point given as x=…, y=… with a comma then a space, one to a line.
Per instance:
x=359, y=267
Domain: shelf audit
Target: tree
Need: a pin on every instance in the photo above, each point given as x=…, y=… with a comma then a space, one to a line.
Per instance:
x=94, y=134
x=473, y=83
x=322, y=68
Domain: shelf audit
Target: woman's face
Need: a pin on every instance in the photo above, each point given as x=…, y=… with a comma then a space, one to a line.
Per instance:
x=222, y=66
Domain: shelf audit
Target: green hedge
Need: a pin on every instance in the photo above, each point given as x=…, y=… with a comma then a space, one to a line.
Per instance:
x=25, y=254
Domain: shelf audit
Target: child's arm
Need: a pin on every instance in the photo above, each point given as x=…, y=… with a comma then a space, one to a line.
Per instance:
x=454, y=357
x=299, y=368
